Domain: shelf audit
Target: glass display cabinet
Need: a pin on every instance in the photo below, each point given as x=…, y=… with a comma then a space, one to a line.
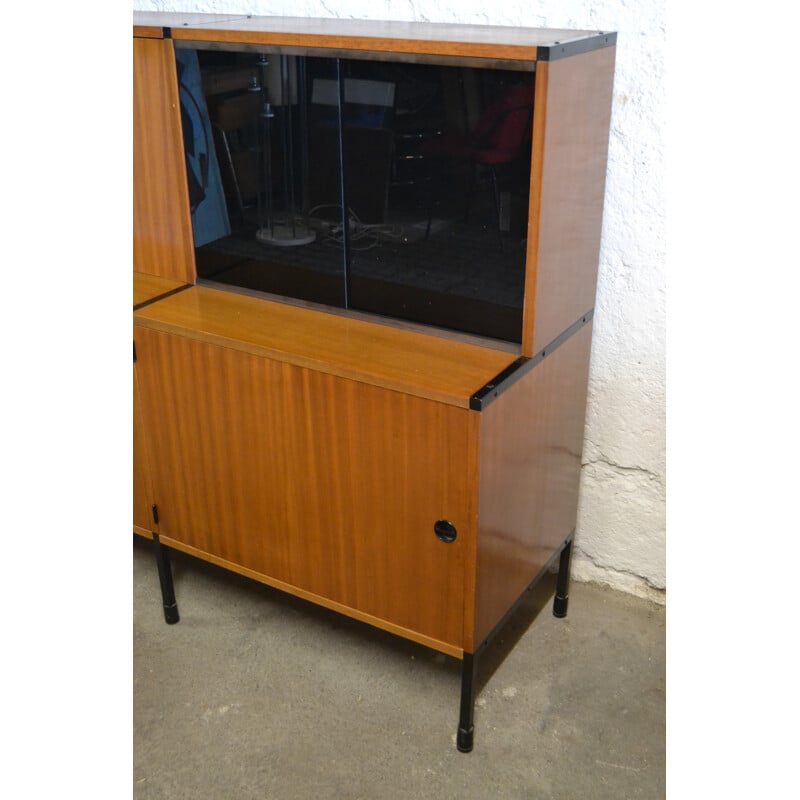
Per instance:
x=365, y=262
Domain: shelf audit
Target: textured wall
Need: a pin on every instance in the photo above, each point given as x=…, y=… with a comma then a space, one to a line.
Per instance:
x=621, y=523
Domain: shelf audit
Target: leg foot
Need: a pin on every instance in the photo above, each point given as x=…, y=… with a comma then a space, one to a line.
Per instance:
x=165, y=579
x=561, y=599
x=466, y=727
x=464, y=740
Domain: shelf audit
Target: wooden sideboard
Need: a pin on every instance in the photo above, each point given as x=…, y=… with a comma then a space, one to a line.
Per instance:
x=339, y=445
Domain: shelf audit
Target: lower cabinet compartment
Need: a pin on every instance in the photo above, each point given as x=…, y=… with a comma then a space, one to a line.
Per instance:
x=325, y=484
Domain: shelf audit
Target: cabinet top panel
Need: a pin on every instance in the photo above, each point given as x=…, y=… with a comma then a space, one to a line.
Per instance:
x=420, y=364
x=424, y=38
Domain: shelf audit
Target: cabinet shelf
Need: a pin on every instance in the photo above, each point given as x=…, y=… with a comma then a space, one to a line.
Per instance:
x=424, y=365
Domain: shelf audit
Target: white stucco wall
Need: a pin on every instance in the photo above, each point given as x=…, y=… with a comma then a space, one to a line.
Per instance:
x=620, y=538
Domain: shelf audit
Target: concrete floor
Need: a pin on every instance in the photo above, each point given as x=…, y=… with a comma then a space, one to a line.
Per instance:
x=255, y=694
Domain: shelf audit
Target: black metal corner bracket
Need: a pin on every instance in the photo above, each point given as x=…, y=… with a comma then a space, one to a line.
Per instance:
x=522, y=366
x=574, y=47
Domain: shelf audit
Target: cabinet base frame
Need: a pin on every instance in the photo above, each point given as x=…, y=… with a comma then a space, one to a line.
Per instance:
x=469, y=663
x=465, y=733
x=375, y=622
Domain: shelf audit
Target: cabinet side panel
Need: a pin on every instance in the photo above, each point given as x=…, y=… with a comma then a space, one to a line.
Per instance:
x=317, y=482
x=570, y=151
x=162, y=226
x=142, y=492
x=531, y=444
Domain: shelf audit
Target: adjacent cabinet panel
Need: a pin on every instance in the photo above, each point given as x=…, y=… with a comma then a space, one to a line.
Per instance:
x=162, y=242
x=142, y=491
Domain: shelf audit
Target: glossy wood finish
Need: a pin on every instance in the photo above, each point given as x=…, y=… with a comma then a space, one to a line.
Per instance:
x=531, y=440
x=148, y=31
x=314, y=450
x=146, y=288
x=142, y=489
x=149, y=287
x=327, y=485
x=480, y=41
x=437, y=368
x=568, y=174
x=414, y=636
x=162, y=227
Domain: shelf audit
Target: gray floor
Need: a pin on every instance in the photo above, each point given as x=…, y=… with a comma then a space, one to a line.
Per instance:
x=254, y=694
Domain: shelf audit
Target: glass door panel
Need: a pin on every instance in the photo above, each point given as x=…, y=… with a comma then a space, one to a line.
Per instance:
x=437, y=186
x=436, y=166
x=262, y=166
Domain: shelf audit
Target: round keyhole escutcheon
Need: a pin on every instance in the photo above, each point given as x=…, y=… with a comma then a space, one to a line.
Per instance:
x=445, y=530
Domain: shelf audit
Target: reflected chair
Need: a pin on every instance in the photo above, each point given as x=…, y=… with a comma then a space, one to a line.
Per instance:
x=501, y=137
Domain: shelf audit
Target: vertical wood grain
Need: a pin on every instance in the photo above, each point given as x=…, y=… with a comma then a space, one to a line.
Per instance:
x=142, y=490
x=326, y=484
x=568, y=173
x=162, y=227
x=531, y=441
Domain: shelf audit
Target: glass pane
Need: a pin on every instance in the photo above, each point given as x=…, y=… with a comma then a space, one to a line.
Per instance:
x=437, y=171
x=263, y=172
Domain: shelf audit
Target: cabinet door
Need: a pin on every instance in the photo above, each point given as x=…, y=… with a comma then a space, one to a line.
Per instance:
x=318, y=483
x=162, y=228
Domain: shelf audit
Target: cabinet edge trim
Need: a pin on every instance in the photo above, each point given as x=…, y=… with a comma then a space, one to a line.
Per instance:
x=303, y=594
x=576, y=47
x=513, y=372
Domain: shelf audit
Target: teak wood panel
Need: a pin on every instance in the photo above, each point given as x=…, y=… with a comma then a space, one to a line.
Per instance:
x=568, y=175
x=531, y=441
x=148, y=31
x=319, y=483
x=425, y=365
x=162, y=226
x=142, y=491
x=388, y=36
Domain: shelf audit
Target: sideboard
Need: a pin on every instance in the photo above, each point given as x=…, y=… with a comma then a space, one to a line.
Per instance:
x=365, y=261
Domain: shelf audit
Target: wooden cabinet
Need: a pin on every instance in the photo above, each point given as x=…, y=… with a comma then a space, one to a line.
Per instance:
x=297, y=417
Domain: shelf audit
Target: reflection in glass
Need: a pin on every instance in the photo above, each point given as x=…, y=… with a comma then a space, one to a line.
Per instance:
x=431, y=163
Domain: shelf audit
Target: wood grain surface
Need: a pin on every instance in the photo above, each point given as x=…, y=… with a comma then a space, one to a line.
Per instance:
x=531, y=441
x=142, y=488
x=324, y=484
x=429, y=366
x=149, y=287
x=154, y=31
x=568, y=174
x=162, y=227
x=446, y=39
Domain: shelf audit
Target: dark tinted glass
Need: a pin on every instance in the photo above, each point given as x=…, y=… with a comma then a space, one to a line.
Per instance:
x=432, y=163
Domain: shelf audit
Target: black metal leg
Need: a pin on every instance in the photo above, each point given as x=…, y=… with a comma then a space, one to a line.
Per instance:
x=466, y=727
x=562, y=584
x=165, y=578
